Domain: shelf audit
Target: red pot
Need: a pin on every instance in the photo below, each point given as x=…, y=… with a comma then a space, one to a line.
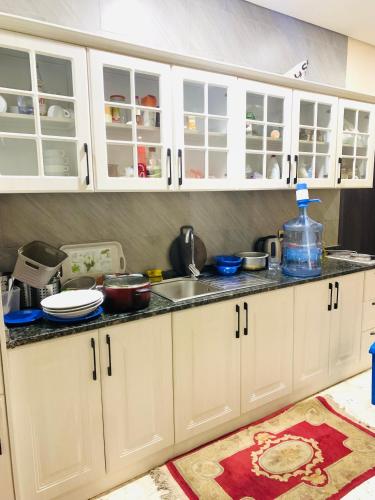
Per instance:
x=126, y=293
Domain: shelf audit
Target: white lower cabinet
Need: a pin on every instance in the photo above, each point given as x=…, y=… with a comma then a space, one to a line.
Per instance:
x=136, y=368
x=266, y=348
x=206, y=367
x=327, y=331
x=346, y=326
x=221, y=369
x=56, y=412
x=6, y=483
x=312, y=320
x=367, y=339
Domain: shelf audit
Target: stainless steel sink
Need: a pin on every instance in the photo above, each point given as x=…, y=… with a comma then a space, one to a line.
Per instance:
x=180, y=289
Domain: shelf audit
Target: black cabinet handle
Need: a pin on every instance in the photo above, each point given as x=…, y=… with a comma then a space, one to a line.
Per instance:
x=179, y=155
x=109, y=368
x=336, y=305
x=246, y=328
x=238, y=321
x=372, y=333
x=94, y=355
x=86, y=149
x=296, y=174
x=289, y=157
x=169, y=166
x=330, y=288
x=339, y=177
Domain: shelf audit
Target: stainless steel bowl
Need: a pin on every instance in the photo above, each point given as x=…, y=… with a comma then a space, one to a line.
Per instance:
x=253, y=261
x=79, y=283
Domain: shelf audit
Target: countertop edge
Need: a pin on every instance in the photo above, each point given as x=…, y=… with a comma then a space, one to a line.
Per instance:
x=165, y=307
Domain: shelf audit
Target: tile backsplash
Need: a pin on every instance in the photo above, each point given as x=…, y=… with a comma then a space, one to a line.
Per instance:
x=146, y=223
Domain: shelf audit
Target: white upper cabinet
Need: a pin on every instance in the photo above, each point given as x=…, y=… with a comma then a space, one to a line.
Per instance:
x=264, y=126
x=314, y=139
x=44, y=116
x=131, y=121
x=206, y=128
x=355, y=144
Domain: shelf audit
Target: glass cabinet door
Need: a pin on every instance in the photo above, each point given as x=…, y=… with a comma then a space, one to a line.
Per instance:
x=314, y=139
x=355, y=145
x=204, y=111
x=131, y=123
x=265, y=121
x=44, y=121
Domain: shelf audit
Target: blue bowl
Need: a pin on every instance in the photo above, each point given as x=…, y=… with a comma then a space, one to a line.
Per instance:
x=227, y=270
x=228, y=260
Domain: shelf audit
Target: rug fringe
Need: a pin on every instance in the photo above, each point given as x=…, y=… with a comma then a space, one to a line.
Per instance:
x=163, y=482
x=340, y=409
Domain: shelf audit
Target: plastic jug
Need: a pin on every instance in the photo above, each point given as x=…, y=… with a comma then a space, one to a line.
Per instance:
x=302, y=243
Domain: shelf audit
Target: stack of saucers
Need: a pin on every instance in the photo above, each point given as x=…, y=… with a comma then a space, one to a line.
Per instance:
x=72, y=305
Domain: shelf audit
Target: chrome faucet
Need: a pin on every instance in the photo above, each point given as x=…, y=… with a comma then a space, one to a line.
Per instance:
x=189, y=238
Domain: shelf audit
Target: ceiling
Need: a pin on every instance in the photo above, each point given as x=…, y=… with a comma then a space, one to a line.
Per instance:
x=354, y=18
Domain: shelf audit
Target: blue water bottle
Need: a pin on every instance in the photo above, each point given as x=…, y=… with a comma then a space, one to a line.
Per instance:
x=302, y=243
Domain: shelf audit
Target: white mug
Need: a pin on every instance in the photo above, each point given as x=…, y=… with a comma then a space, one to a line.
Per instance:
x=56, y=111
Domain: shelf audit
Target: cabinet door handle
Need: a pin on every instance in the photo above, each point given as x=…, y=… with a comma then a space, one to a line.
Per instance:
x=330, y=288
x=109, y=368
x=289, y=159
x=372, y=333
x=94, y=355
x=179, y=155
x=238, y=321
x=336, y=305
x=169, y=166
x=246, y=328
x=339, y=177
x=296, y=174
x=86, y=149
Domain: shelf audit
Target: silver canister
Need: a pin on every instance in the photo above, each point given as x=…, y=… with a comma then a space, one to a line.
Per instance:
x=38, y=294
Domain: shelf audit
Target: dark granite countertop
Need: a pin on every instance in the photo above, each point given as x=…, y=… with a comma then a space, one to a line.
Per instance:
x=43, y=330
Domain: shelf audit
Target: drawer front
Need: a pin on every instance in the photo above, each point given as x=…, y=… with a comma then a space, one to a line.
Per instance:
x=368, y=338
x=369, y=290
x=368, y=319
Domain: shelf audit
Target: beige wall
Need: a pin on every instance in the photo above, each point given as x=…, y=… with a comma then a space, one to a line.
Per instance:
x=360, y=68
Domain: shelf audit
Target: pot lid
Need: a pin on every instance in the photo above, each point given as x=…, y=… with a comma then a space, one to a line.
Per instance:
x=129, y=281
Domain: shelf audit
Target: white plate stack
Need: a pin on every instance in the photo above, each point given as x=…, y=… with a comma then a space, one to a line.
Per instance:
x=72, y=304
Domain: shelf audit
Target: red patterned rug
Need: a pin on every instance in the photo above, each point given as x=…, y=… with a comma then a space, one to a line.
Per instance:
x=306, y=451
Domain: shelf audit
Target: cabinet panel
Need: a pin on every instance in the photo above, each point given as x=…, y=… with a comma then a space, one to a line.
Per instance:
x=6, y=484
x=137, y=389
x=44, y=118
x=346, y=326
x=56, y=413
x=355, y=144
x=205, y=125
x=369, y=288
x=131, y=118
x=206, y=366
x=368, y=319
x=312, y=321
x=367, y=339
x=265, y=134
x=314, y=139
x=267, y=349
